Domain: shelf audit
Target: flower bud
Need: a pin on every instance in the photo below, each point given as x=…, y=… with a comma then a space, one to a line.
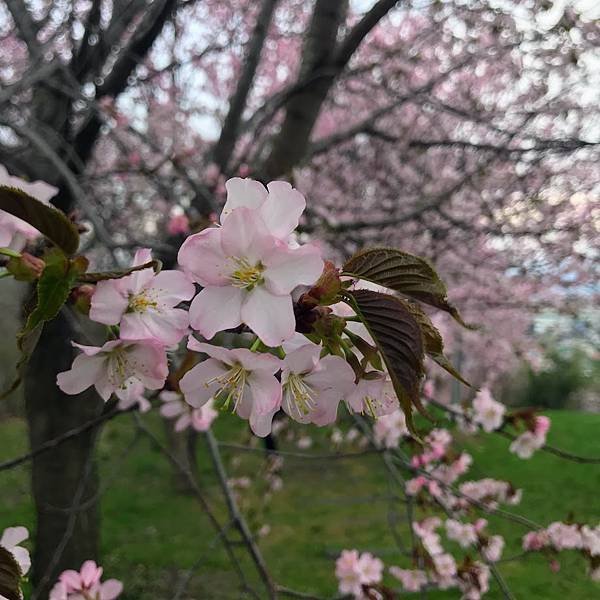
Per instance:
x=81, y=297
x=26, y=268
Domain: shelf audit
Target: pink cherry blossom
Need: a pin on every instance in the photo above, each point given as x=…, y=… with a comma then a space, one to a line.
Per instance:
x=115, y=367
x=445, y=565
x=590, y=537
x=463, y=533
x=371, y=568
x=10, y=540
x=487, y=412
x=143, y=303
x=375, y=397
x=238, y=379
x=354, y=571
x=563, y=536
x=542, y=425
x=388, y=430
x=526, y=444
x=85, y=585
x=14, y=231
x=313, y=387
x=248, y=277
x=492, y=550
x=178, y=225
x=132, y=394
x=411, y=580
x=535, y=540
x=348, y=573
x=199, y=418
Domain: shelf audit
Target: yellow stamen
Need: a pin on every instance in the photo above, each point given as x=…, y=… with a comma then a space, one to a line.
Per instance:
x=302, y=394
x=246, y=275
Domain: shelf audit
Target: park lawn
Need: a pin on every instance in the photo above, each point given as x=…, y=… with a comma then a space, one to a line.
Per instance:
x=152, y=535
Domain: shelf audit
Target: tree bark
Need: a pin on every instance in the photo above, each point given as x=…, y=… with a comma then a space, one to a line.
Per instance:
x=66, y=535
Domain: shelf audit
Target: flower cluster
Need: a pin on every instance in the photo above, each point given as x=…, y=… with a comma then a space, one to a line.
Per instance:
x=439, y=568
x=252, y=273
x=85, y=585
x=357, y=572
x=560, y=536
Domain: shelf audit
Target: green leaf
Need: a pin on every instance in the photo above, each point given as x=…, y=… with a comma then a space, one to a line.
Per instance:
x=10, y=576
x=398, y=337
x=433, y=341
x=53, y=289
x=49, y=221
x=402, y=272
x=101, y=276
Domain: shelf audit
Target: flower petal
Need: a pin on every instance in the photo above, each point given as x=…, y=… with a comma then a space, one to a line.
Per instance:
x=84, y=372
x=201, y=256
x=303, y=359
x=270, y=317
x=13, y=536
x=172, y=287
x=110, y=589
x=244, y=235
x=198, y=385
x=265, y=391
x=216, y=309
x=108, y=303
x=282, y=209
x=252, y=361
x=261, y=424
x=286, y=268
x=242, y=193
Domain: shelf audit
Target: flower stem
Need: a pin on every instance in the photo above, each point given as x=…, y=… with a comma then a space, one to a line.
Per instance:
x=255, y=345
x=9, y=252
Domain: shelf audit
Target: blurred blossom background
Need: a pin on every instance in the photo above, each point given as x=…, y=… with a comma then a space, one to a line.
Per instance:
x=464, y=131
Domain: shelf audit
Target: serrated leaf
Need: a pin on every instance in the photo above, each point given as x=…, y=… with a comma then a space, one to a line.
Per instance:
x=49, y=221
x=398, y=337
x=433, y=341
x=10, y=576
x=103, y=275
x=402, y=272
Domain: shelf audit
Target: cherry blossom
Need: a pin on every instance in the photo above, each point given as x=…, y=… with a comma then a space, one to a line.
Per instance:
x=487, y=412
x=445, y=565
x=248, y=277
x=564, y=537
x=463, y=533
x=132, y=394
x=313, y=387
x=14, y=232
x=115, y=368
x=526, y=444
x=412, y=580
x=535, y=540
x=199, y=418
x=143, y=303
x=354, y=571
x=388, y=430
x=492, y=550
x=85, y=585
x=239, y=380
x=375, y=397
x=178, y=225
x=11, y=540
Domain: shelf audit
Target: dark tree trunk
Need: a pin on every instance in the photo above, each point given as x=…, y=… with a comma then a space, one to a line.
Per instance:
x=64, y=479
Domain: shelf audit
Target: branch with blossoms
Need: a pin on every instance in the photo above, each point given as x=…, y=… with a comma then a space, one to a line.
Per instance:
x=255, y=323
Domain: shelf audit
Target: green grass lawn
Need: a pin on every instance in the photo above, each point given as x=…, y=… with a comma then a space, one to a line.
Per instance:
x=152, y=535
